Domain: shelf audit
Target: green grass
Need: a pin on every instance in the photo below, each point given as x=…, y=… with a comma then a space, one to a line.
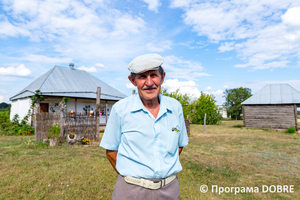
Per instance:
x=227, y=155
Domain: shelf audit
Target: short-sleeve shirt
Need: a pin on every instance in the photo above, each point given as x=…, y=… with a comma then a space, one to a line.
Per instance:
x=147, y=146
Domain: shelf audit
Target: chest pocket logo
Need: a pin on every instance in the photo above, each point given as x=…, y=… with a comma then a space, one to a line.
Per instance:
x=173, y=140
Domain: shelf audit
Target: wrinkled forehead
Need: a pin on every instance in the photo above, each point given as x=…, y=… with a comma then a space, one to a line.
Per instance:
x=149, y=72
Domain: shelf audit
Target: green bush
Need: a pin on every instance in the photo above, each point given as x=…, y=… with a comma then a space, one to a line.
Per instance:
x=15, y=127
x=206, y=103
x=53, y=131
x=291, y=130
x=4, y=116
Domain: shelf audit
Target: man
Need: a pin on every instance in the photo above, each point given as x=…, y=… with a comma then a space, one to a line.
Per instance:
x=144, y=136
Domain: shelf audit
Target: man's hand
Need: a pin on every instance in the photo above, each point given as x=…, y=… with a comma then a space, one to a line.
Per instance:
x=180, y=150
x=112, y=157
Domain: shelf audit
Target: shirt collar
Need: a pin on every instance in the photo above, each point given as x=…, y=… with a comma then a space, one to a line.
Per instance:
x=138, y=104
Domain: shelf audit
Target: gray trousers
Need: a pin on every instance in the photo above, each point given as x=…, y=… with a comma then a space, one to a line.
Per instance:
x=124, y=191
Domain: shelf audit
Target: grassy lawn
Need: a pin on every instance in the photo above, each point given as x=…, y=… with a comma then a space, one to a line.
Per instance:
x=226, y=155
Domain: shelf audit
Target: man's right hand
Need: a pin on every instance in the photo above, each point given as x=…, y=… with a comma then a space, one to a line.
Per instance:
x=112, y=157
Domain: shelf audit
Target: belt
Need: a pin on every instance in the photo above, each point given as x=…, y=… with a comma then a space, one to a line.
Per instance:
x=149, y=184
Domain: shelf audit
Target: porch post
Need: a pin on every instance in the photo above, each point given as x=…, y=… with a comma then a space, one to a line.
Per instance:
x=97, y=113
x=75, y=105
x=105, y=112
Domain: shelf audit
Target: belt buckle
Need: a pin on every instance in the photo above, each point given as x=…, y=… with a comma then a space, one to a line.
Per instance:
x=160, y=184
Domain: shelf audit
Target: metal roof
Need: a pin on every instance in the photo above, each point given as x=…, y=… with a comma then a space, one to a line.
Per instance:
x=275, y=94
x=67, y=82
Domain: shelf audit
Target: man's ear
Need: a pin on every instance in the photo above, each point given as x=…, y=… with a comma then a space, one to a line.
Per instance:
x=131, y=80
x=163, y=77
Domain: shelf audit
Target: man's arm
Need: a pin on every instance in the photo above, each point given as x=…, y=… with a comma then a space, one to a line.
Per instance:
x=180, y=150
x=112, y=157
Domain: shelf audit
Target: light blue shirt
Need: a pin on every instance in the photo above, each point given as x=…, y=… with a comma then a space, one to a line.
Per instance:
x=147, y=147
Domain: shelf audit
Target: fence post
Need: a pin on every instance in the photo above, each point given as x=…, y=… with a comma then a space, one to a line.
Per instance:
x=105, y=112
x=204, y=121
x=62, y=122
x=187, y=125
x=97, y=113
x=35, y=128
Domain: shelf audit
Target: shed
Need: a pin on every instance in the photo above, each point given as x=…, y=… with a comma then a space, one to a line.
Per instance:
x=80, y=86
x=273, y=107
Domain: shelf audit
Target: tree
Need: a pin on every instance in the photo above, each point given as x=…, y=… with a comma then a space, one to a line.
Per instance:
x=184, y=99
x=4, y=106
x=206, y=103
x=36, y=98
x=234, y=98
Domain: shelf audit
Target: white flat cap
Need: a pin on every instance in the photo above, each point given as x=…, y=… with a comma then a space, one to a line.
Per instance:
x=145, y=62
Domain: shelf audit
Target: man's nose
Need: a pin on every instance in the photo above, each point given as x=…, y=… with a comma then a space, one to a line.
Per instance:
x=149, y=81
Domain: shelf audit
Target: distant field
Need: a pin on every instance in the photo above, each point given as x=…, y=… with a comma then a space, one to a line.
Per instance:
x=226, y=155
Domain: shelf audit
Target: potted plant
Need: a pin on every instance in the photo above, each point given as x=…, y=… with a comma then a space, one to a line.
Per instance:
x=71, y=138
x=53, y=133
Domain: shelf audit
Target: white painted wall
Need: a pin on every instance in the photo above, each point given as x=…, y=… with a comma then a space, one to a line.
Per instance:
x=81, y=103
x=20, y=107
x=222, y=110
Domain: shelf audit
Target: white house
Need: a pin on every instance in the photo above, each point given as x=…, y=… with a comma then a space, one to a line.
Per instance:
x=59, y=82
x=222, y=111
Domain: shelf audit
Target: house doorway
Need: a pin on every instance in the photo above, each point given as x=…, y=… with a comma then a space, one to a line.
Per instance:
x=44, y=107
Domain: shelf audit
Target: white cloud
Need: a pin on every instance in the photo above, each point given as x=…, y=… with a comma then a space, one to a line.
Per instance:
x=8, y=29
x=218, y=94
x=208, y=88
x=225, y=86
x=21, y=70
x=227, y=46
x=1, y=98
x=42, y=59
x=265, y=34
x=159, y=46
x=130, y=86
x=256, y=85
x=180, y=3
x=215, y=93
x=99, y=65
x=88, y=69
x=153, y=5
x=292, y=16
x=76, y=29
x=179, y=68
x=185, y=87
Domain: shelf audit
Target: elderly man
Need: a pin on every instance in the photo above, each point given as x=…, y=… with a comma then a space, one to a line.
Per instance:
x=144, y=136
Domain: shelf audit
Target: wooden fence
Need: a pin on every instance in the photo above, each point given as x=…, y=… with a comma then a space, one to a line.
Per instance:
x=42, y=121
x=80, y=124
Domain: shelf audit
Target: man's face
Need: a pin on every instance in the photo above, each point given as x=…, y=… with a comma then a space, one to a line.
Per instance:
x=148, y=84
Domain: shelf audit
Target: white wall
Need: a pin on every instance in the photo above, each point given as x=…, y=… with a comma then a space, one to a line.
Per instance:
x=222, y=110
x=20, y=107
x=81, y=103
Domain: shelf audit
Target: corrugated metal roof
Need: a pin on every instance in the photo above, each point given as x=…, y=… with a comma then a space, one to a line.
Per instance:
x=275, y=94
x=67, y=82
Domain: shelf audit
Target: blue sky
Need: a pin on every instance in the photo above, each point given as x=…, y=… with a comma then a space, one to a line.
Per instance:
x=207, y=46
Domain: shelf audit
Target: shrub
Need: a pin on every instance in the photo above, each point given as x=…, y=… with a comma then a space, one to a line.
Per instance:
x=54, y=131
x=15, y=127
x=206, y=103
x=4, y=117
x=291, y=130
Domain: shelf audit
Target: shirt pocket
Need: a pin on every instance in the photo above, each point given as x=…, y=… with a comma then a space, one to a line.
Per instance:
x=172, y=142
